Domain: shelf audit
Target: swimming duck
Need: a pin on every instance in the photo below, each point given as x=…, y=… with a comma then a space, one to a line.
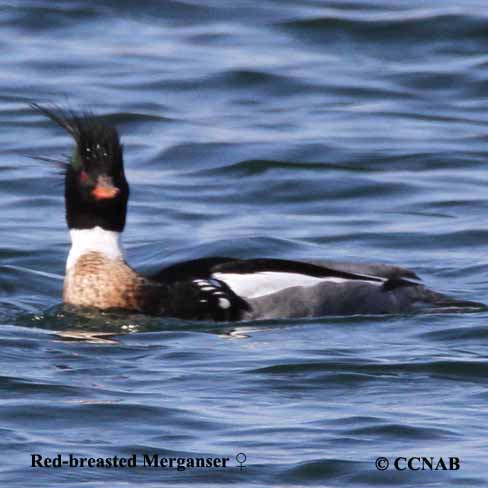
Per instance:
x=211, y=288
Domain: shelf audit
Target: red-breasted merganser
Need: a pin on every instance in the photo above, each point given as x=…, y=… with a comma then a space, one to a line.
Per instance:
x=217, y=288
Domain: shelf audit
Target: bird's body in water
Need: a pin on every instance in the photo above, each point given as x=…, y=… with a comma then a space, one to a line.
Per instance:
x=211, y=288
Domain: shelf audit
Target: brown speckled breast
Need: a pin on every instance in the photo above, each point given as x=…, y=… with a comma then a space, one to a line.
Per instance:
x=97, y=281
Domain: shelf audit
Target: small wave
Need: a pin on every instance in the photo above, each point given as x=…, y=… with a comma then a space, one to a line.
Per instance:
x=319, y=470
x=419, y=26
x=402, y=431
x=451, y=369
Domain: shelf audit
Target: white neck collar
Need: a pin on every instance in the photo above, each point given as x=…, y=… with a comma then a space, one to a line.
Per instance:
x=106, y=242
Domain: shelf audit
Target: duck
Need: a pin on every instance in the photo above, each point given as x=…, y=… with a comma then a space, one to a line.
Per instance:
x=216, y=289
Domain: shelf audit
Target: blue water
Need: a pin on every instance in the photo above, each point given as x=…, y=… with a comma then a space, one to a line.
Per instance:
x=350, y=130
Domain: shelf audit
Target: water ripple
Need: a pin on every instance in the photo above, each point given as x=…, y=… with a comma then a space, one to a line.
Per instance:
x=342, y=130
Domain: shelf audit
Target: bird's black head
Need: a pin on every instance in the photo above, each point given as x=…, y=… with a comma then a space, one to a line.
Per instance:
x=96, y=191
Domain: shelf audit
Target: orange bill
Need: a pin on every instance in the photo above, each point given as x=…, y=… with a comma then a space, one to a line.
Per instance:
x=104, y=190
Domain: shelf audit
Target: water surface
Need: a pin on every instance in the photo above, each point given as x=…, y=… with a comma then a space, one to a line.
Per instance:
x=296, y=129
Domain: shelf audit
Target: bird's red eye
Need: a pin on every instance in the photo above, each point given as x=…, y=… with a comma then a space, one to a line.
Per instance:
x=84, y=176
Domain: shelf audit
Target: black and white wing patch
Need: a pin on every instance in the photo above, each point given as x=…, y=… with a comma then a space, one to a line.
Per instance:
x=258, y=277
x=203, y=299
x=210, y=283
